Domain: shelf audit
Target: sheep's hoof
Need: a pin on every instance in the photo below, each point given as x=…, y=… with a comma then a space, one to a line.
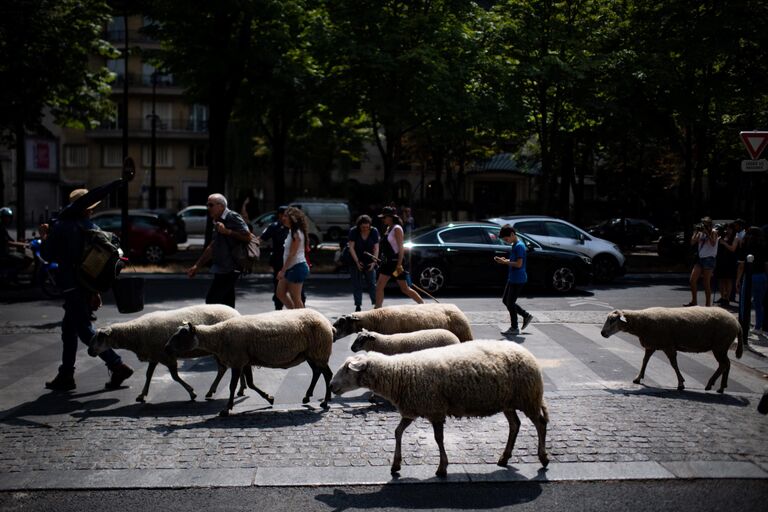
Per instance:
x=442, y=472
x=209, y=395
x=637, y=380
x=305, y=400
x=503, y=462
x=241, y=393
x=680, y=387
x=721, y=390
x=224, y=413
x=324, y=404
x=544, y=459
x=270, y=399
x=140, y=398
x=708, y=387
x=395, y=469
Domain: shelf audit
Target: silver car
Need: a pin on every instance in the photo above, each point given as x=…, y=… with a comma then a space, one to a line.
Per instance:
x=608, y=262
x=194, y=218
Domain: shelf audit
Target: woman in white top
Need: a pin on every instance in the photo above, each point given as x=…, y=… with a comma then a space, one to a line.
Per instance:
x=705, y=238
x=295, y=268
x=391, y=249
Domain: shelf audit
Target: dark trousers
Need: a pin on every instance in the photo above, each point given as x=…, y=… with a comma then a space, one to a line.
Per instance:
x=511, y=293
x=222, y=290
x=77, y=324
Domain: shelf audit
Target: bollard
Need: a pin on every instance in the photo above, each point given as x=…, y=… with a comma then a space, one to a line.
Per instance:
x=745, y=299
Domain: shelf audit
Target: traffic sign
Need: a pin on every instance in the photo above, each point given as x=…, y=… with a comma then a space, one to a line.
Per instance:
x=755, y=142
x=754, y=165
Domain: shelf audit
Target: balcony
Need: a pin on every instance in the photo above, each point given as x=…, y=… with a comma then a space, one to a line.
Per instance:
x=144, y=83
x=142, y=128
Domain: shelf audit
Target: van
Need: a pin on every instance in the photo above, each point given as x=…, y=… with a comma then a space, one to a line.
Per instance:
x=332, y=217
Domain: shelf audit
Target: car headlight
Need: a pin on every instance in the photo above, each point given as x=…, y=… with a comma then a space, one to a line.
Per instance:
x=586, y=259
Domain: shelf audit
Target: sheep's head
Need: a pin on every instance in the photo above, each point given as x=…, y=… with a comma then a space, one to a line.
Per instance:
x=345, y=325
x=614, y=323
x=362, y=340
x=99, y=342
x=183, y=340
x=348, y=376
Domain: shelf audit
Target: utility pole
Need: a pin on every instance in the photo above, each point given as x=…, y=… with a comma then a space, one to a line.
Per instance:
x=124, y=220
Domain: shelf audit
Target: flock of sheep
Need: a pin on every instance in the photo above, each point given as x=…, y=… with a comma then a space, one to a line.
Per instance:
x=421, y=358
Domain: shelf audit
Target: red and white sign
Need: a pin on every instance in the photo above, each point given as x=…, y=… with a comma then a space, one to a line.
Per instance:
x=755, y=142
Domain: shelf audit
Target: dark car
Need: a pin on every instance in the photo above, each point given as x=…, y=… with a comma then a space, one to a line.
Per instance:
x=461, y=254
x=150, y=238
x=172, y=220
x=626, y=232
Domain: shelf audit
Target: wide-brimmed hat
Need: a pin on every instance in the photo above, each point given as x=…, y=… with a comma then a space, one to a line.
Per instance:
x=388, y=211
x=78, y=193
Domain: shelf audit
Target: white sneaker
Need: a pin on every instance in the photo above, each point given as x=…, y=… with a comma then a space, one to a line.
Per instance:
x=511, y=332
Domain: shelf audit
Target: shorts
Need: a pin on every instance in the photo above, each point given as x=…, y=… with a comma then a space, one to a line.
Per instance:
x=389, y=267
x=707, y=263
x=297, y=273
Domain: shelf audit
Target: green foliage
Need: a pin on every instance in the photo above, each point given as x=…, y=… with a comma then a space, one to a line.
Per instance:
x=45, y=52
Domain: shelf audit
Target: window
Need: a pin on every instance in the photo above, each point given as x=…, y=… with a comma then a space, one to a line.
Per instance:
x=109, y=222
x=463, y=236
x=493, y=235
x=198, y=155
x=164, y=112
x=75, y=155
x=163, y=155
x=112, y=155
x=117, y=66
x=403, y=191
x=198, y=118
x=560, y=230
x=532, y=228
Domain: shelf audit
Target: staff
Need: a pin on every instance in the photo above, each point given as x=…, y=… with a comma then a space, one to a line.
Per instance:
x=378, y=262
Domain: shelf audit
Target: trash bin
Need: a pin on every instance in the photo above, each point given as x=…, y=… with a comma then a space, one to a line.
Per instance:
x=129, y=294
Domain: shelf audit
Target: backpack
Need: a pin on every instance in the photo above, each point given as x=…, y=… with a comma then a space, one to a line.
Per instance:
x=100, y=263
x=246, y=254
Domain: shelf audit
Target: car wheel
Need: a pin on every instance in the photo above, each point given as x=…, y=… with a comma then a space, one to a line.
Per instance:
x=334, y=234
x=563, y=279
x=604, y=269
x=431, y=278
x=154, y=254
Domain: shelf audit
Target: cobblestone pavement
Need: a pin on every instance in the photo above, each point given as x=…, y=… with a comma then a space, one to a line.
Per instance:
x=597, y=416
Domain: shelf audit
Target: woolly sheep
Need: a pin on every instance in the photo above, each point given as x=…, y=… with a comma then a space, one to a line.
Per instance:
x=478, y=378
x=688, y=329
x=401, y=343
x=406, y=318
x=146, y=337
x=278, y=339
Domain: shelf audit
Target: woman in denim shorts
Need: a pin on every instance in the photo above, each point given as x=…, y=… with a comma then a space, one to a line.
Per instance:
x=705, y=238
x=295, y=268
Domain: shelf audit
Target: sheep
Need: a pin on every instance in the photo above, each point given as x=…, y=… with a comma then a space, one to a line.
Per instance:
x=278, y=339
x=400, y=343
x=406, y=318
x=146, y=337
x=477, y=378
x=688, y=329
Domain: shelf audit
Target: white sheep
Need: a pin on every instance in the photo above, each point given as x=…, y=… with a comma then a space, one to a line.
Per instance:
x=688, y=329
x=147, y=335
x=478, y=378
x=403, y=342
x=406, y=318
x=278, y=339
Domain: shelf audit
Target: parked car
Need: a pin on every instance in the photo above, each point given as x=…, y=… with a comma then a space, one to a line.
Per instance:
x=262, y=221
x=150, y=239
x=172, y=219
x=332, y=217
x=461, y=254
x=194, y=218
x=607, y=260
x=626, y=232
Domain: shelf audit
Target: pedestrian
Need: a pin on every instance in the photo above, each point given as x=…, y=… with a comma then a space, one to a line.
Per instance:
x=64, y=245
x=516, y=279
x=276, y=233
x=726, y=264
x=363, y=242
x=755, y=244
x=392, y=252
x=705, y=239
x=409, y=223
x=11, y=260
x=295, y=269
x=229, y=229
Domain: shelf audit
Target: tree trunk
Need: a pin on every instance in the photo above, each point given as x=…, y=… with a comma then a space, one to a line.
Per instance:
x=21, y=168
x=279, y=137
x=566, y=176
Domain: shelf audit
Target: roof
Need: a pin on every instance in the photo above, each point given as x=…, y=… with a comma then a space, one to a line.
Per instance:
x=504, y=162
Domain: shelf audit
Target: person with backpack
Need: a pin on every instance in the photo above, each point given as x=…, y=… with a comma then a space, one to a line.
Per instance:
x=65, y=245
x=229, y=230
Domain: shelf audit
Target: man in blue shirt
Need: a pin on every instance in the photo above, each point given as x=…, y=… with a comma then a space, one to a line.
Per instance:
x=516, y=278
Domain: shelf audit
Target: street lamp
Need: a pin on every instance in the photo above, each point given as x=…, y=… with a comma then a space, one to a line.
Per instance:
x=153, y=147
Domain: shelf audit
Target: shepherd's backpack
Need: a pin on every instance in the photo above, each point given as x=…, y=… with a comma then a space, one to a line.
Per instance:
x=100, y=263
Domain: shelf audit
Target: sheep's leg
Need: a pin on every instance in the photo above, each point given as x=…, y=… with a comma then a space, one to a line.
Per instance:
x=175, y=376
x=723, y=367
x=327, y=375
x=672, y=356
x=540, y=422
x=248, y=377
x=219, y=374
x=398, y=459
x=648, y=353
x=514, y=428
x=315, y=377
x=232, y=387
x=144, y=392
x=442, y=469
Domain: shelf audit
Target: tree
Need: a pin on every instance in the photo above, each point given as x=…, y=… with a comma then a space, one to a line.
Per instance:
x=45, y=46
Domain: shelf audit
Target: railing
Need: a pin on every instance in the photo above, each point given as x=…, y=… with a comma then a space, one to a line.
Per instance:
x=134, y=36
x=141, y=80
x=163, y=126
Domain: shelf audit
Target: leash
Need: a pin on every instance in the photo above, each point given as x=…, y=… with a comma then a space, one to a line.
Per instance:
x=425, y=292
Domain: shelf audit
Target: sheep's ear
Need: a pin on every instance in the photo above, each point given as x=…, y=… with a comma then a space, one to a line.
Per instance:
x=105, y=332
x=357, y=364
x=191, y=327
x=364, y=331
x=622, y=318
